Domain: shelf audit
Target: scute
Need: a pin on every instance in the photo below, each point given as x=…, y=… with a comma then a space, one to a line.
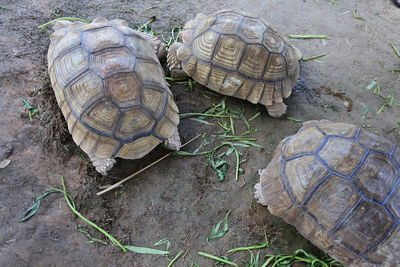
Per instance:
x=110, y=61
x=376, y=177
x=373, y=141
x=254, y=59
x=154, y=100
x=204, y=45
x=227, y=23
x=228, y=52
x=98, y=39
x=342, y=155
x=306, y=141
x=149, y=71
x=331, y=201
x=276, y=68
x=138, y=148
x=102, y=116
x=140, y=47
x=251, y=30
x=338, y=128
x=70, y=65
x=124, y=90
x=303, y=174
x=273, y=41
x=84, y=92
x=134, y=122
x=68, y=41
x=365, y=227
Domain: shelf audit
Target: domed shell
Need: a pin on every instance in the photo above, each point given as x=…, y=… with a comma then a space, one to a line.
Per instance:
x=237, y=54
x=340, y=187
x=111, y=89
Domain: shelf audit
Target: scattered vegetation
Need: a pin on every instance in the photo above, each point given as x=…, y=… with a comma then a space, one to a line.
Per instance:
x=146, y=27
x=299, y=256
x=216, y=232
x=231, y=140
x=71, y=204
x=354, y=13
x=395, y=50
x=188, y=82
x=32, y=111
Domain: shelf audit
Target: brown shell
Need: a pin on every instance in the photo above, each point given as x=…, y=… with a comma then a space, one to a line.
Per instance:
x=340, y=187
x=111, y=89
x=239, y=55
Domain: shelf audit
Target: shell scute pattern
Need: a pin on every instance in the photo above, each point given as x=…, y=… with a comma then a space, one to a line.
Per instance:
x=111, y=89
x=228, y=44
x=343, y=184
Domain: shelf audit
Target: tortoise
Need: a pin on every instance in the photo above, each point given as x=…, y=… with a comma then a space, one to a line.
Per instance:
x=339, y=185
x=237, y=54
x=111, y=89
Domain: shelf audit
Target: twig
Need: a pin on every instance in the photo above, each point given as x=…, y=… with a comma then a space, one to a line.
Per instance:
x=141, y=170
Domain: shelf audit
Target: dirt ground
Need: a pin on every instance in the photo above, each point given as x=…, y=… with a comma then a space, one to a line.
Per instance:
x=180, y=198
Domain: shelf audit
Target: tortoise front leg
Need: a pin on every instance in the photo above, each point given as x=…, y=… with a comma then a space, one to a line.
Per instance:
x=157, y=44
x=174, y=64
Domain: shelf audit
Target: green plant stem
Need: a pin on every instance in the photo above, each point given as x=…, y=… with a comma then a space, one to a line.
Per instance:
x=313, y=57
x=218, y=259
x=63, y=18
x=264, y=245
x=175, y=258
x=203, y=114
x=298, y=36
x=73, y=208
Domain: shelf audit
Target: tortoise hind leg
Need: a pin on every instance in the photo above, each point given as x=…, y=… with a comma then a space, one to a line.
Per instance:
x=174, y=141
x=102, y=165
x=277, y=109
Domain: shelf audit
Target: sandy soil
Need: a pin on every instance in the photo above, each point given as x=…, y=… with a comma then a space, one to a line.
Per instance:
x=180, y=199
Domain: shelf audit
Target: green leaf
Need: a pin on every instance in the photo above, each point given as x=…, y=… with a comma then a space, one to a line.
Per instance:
x=251, y=143
x=216, y=232
x=163, y=241
x=33, y=209
x=144, y=250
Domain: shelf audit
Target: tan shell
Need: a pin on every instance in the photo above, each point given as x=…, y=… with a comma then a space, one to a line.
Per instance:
x=111, y=89
x=340, y=187
x=239, y=55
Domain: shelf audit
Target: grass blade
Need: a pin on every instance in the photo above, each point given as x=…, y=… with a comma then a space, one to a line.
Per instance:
x=215, y=232
x=218, y=259
x=395, y=49
x=144, y=250
x=293, y=119
x=313, y=57
x=309, y=36
x=354, y=13
x=63, y=18
x=264, y=245
x=175, y=258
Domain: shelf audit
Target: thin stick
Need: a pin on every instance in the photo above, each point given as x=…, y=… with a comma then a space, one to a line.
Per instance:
x=141, y=170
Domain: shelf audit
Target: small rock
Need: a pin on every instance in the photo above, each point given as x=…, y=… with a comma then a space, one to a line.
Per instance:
x=4, y=163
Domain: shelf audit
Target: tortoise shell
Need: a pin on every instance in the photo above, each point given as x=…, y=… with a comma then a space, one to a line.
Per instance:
x=340, y=187
x=239, y=55
x=111, y=89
